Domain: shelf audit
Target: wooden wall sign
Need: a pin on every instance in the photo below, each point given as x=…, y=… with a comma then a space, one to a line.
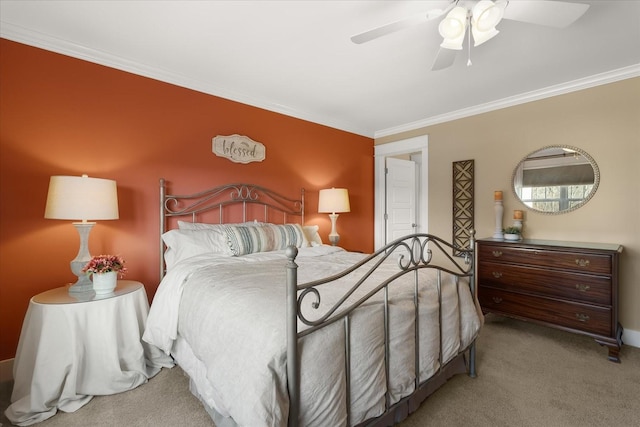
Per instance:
x=238, y=148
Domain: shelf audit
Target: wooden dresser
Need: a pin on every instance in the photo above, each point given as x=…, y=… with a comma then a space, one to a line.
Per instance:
x=566, y=285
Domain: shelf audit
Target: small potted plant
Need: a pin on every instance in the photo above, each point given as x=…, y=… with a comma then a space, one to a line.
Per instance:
x=105, y=270
x=512, y=233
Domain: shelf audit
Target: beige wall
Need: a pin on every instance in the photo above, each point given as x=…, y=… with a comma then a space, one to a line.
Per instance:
x=604, y=121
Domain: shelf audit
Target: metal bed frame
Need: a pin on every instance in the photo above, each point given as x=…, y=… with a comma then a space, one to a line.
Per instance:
x=414, y=253
x=217, y=198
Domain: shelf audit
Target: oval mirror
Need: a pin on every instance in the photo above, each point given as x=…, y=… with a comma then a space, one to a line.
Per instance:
x=556, y=179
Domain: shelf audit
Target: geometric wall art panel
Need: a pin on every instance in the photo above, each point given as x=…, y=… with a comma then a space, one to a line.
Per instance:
x=462, y=204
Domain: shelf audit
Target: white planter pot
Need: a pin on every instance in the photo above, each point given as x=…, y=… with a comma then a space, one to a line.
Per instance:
x=104, y=283
x=511, y=236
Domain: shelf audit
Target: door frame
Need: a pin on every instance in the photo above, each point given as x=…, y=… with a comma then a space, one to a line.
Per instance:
x=418, y=144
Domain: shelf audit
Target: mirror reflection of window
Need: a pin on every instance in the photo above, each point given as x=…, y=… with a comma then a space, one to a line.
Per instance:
x=556, y=179
x=555, y=198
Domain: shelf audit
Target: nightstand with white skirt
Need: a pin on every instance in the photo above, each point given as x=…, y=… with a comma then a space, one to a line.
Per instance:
x=73, y=348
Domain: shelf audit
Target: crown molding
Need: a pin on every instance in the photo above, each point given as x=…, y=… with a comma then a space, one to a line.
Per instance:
x=40, y=40
x=572, y=86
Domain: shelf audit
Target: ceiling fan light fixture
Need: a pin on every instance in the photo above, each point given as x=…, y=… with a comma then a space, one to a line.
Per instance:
x=455, y=24
x=453, y=28
x=487, y=14
x=453, y=44
x=480, y=37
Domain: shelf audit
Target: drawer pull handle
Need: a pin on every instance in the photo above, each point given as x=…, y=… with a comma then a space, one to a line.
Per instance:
x=497, y=254
x=582, y=262
x=582, y=317
x=497, y=300
x=582, y=288
x=497, y=274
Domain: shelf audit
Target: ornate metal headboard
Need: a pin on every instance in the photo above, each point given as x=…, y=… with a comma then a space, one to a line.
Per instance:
x=221, y=197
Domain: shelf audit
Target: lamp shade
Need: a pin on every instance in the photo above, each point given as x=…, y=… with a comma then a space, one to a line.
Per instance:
x=334, y=200
x=486, y=15
x=454, y=24
x=81, y=198
x=453, y=27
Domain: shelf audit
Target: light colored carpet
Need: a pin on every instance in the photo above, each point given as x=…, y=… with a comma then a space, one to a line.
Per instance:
x=528, y=375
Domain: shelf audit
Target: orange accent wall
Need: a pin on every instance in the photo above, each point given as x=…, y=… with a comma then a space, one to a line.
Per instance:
x=64, y=116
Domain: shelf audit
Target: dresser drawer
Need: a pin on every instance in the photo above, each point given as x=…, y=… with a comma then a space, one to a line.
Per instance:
x=591, y=319
x=575, y=261
x=561, y=284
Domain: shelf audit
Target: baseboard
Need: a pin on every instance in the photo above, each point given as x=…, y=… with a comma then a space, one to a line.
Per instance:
x=6, y=370
x=631, y=337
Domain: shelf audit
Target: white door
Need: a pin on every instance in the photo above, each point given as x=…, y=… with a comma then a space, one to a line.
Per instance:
x=400, y=198
x=419, y=146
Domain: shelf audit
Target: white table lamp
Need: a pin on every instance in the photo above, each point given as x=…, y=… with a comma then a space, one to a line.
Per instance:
x=334, y=201
x=81, y=198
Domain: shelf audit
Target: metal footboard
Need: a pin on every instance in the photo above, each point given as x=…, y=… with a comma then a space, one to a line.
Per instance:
x=414, y=252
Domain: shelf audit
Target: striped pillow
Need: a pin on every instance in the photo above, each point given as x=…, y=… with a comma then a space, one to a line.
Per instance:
x=248, y=239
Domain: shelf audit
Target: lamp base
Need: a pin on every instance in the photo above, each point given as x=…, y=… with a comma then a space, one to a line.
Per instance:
x=83, y=284
x=81, y=289
x=334, y=237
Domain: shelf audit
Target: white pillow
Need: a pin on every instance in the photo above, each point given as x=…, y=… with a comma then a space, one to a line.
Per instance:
x=248, y=239
x=312, y=235
x=185, y=225
x=182, y=244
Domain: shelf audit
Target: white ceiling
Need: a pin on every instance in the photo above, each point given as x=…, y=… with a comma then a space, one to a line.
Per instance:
x=296, y=57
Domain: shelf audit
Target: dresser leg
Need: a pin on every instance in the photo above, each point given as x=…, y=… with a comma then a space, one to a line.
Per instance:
x=614, y=347
x=614, y=354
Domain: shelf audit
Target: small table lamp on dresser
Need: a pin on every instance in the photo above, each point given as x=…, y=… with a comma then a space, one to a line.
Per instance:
x=81, y=198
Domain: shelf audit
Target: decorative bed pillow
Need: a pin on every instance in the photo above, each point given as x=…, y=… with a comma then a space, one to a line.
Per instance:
x=182, y=244
x=248, y=239
x=312, y=235
x=289, y=234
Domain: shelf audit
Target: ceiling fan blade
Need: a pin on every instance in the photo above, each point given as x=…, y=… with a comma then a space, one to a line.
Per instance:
x=557, y=14
x=416, y=19
x=444, y=59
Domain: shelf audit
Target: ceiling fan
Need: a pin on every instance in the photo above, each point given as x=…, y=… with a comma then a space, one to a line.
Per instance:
x=482, y=16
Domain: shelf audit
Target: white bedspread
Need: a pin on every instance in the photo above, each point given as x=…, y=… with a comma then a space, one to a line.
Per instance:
x=231, y=312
